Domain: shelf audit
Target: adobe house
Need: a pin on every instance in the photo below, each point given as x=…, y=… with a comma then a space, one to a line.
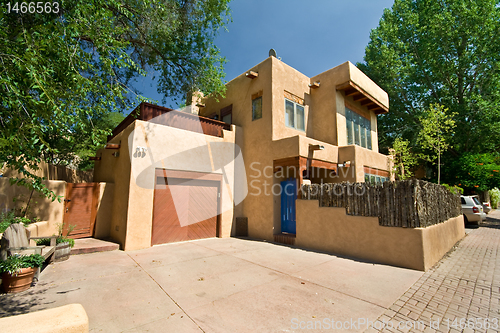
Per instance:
x=177, y=176
x=300, y=127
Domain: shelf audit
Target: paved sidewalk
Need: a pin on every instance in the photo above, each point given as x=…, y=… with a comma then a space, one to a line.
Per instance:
x=214, y=285
x=460, y=294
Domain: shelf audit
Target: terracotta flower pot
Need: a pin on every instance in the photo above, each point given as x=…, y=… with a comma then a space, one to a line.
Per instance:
x=20, y=282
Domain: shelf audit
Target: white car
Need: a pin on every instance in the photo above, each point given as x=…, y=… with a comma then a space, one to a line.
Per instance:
x=486, y=207
x=472, y=209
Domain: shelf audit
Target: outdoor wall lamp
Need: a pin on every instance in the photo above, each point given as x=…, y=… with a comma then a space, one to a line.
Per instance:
x=316, y=147
x=112, y=145
x=346, y=164
x=314, y=85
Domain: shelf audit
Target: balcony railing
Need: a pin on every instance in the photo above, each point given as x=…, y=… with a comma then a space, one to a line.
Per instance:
x=168, y=117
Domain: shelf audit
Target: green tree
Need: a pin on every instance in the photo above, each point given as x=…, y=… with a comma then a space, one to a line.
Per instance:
x=436, y=133
x=447, y=52
x=478, y=172
x=61, y=73
x=87, y=146
x=403, y=159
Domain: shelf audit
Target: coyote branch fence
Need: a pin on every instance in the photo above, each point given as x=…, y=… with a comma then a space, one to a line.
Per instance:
x=409, y=203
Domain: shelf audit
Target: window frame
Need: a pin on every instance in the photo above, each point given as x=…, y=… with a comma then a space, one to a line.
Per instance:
x=295, y=113
x=253, y=113
x=358, y=129
x=228, y=110
x=374, y=179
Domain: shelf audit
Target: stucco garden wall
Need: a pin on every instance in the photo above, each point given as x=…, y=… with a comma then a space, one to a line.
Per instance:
x=104, y=211
x=49, y=212
x=331, y=230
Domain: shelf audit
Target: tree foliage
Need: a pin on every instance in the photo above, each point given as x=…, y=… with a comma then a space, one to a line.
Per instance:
x=478, y=172
x=447, y=52
x=403, y=159
x=62, y=73
x=436, y=133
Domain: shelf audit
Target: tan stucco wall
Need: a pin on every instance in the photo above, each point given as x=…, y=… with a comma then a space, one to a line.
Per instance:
x=328, y=103
x=115, y=170
x=255, y=143
x=132, y=204
x=363, y=81
x=45, y=209
x=361, y=157
x=54, y=172
x=70, y=318
x=331, y=230
x=41, y=229
x=440, y=238
x=286, y=78
x=104, y=211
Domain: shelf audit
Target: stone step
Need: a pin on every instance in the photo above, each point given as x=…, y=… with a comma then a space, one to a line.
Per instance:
x=284, y=238
x=91, y=245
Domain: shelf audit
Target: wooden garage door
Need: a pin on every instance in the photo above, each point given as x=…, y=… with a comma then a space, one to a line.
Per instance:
x=194, y=214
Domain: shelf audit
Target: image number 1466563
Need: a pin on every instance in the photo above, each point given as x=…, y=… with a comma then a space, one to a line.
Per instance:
x=33, y=7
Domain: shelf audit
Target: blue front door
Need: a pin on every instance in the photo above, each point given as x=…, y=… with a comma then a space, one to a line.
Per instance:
x=288, y=197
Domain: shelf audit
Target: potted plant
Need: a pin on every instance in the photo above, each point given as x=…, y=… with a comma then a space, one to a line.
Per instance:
x=63, y=243
x=18, y=271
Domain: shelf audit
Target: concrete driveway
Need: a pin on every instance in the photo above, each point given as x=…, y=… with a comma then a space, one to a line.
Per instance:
x=215, y=285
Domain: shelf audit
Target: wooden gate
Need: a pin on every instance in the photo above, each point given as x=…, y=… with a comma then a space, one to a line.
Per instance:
x=80, y=208
x=196, y=202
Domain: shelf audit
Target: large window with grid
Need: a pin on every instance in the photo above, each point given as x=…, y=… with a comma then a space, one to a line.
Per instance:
x=294, y=115
x=358, y=129
x=375, y=179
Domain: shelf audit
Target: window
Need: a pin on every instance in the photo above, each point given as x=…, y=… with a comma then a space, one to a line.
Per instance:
x=257, y=108
x=226, y=114
x=358, y=129
x=294, y=115
x=375, y=179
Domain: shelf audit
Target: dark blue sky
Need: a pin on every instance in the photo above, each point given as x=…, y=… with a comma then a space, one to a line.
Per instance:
x=311, y=36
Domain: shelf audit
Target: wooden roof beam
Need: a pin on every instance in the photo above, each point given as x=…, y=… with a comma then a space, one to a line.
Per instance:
x=252, y=75
x=314, y=85
x=360, y=98
x=367, y=102
x=351, y=92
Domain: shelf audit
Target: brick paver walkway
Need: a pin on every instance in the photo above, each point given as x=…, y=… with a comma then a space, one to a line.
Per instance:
x=460, y=294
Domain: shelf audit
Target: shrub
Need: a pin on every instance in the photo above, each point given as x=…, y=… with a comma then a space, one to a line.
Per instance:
x=59, y=239
x=454, y=189
x=15, y=263
x=494, y=197
x=8, y=218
